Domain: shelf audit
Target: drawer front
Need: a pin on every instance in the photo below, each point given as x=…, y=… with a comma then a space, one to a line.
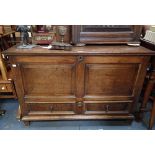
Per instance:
x=5, y=87
x=50, y=109
x=107, y=108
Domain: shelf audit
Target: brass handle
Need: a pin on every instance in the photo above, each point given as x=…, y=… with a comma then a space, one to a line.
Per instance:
x=79, y=104
x=3, y=88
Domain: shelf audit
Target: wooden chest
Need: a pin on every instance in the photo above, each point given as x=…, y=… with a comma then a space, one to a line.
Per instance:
x=91, y=82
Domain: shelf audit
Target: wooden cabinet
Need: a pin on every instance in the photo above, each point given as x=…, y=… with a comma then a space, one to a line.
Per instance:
x=92, y=82
x=106, y=34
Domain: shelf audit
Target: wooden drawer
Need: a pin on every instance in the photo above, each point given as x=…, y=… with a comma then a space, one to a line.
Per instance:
x=50, y=108
x=5, y=87
x=107, y=108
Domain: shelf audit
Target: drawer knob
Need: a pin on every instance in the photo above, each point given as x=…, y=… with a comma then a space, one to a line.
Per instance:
x=3, y=88
x=107, y=108
x=79, y=104
x=51, y=107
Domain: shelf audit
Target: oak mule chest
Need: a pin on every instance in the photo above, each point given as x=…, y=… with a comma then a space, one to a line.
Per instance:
x=90, y=82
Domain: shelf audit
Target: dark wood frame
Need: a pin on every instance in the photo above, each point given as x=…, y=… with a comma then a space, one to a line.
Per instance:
x=116, y=37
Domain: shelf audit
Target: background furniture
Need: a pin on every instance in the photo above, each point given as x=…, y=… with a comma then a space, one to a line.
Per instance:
x=46, y=34
x=91, y=82
x=7, y=39
x=7, y=36
x=7, y=89
x=106, y=34
x=150, y=85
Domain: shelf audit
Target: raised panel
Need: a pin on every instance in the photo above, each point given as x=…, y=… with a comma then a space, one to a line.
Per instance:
x=48, y=79
x=110, y=79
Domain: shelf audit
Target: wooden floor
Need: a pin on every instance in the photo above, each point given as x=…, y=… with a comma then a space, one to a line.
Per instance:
x=9, y=122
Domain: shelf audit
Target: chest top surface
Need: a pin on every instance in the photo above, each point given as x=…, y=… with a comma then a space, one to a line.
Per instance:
x=86, y=50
